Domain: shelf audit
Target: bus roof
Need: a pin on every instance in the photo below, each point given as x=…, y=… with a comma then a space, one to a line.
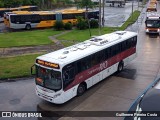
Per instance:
x=33, y=12
x=153, y=14
x=27, y=6
x=73, y=53
x=3, y=8
x=49, y=12
x=17, y=8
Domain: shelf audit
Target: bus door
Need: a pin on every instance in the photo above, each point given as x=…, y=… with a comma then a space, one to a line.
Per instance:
x=59, y=16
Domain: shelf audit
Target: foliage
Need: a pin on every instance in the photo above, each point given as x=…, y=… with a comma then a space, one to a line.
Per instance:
x=81, y=23
x=86, y=3
x=68, y=26
x=94, y=23
x=58, y=25
x=40, y=3
x=16, y=3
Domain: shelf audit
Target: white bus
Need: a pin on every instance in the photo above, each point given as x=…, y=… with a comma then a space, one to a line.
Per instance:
x=21, y=8
x=69, y=72
x=152, y=22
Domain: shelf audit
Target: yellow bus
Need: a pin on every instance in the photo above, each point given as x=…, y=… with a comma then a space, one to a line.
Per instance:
x=152, y=6
x=21, y=8
x=40, y=19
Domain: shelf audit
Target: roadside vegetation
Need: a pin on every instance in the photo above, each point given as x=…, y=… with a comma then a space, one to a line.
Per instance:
x=19, y=66
x=27, y=38
x=132, y=19
x=81, y=35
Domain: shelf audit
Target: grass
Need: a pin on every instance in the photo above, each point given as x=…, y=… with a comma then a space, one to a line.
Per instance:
x=81, y=35
x=18, y=66
x=132, y=19
x=27, y=38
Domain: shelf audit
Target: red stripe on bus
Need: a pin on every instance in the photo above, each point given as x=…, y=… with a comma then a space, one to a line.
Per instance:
x=97, y=68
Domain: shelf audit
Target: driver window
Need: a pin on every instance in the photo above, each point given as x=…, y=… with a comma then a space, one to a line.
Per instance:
x=68, y=74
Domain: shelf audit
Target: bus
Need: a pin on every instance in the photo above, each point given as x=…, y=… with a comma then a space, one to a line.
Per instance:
x=40, y=19
x=152, y=7
x=21, y=8
x=119, y=3
x=69, y=72
x=152, y=22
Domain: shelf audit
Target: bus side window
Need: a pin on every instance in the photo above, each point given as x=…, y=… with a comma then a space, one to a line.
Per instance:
x=68, y=74
x=83, y=64
x=134, y=41
x=95, y=59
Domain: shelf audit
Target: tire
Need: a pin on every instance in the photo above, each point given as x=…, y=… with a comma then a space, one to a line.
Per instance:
x=120, y=66
x=28, y=27
x=81, y=89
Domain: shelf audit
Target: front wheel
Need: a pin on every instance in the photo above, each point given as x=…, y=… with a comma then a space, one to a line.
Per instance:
x=81, y=89
x=28, y=27
x=120, y=66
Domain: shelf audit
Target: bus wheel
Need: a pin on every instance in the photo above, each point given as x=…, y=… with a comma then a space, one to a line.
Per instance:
x=81, y=89
x=28, y=27
x=120, y=66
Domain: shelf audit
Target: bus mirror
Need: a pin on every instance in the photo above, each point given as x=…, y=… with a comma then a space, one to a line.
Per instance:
x=33, y=70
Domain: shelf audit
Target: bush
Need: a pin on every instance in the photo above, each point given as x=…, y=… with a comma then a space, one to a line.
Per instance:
x=81, y=23
x=94, y=23
x=58, y=25
x=68, y=26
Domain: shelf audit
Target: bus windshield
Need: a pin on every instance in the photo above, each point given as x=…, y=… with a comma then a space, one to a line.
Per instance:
x=48, y=78
x=153, y=23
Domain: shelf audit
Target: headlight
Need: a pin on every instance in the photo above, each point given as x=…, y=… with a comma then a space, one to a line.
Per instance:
x=147, y=30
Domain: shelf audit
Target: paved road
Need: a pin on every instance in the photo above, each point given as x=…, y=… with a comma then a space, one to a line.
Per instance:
x=116, y=16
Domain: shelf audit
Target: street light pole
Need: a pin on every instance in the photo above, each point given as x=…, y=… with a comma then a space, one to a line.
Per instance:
x=99, y=17
x=103, y=14
x=132, y=10
x=138, y=4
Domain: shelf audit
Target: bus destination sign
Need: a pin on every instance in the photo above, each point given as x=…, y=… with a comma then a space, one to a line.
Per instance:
x=47, y=64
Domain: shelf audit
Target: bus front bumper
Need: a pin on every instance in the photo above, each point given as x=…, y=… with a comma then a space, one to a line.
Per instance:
x=153, y=31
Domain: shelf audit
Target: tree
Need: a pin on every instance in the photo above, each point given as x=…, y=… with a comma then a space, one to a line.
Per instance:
x=87, y=4
x=1, y=3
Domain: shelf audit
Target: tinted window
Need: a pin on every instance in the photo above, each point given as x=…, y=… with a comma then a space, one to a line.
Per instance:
x=83, y=64
x=48, y=17
x=25, y=18
x=68, y=74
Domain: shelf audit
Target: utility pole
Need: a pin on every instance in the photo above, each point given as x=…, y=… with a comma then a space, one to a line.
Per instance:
x=138, y=4
x=103, y=20
x=132, y=10
x=99, y=17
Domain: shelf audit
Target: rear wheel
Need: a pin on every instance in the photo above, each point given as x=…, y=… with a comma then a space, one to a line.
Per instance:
x=28, y=27
x=81, y=89
x=120, y=66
